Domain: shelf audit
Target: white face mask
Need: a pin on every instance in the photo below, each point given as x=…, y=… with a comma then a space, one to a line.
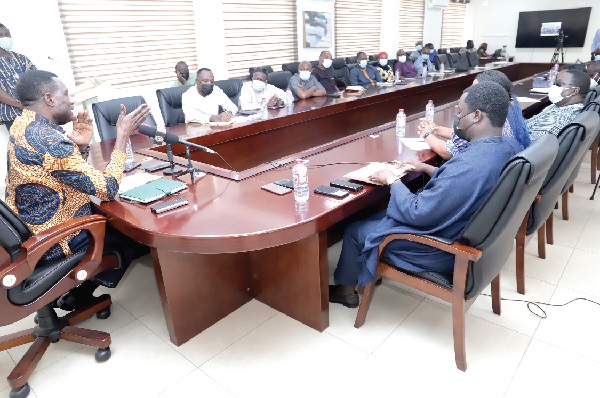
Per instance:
x=383, y=62
x=6, y=43
x=363, y=63
x=258, y=85
x=304, y=74
x=593, y=84
x=554, y=94
x=327, y=63
x=597, y=58
x=402, y=58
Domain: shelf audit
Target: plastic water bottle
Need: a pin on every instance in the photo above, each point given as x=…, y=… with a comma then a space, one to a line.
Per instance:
x=424, y=71
x=429, y=111
x=442, y=67
x=300, y=178
x=129, y=162
x=289, y=97
x=503, y=52
x=397, y=75
x=400, y=123
x=264, y=112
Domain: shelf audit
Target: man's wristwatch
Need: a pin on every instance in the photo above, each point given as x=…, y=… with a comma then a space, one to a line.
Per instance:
x=392, y=179
x=426, y=135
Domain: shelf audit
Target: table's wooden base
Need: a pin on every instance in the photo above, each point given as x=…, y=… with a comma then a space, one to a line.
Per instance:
x=197, y=290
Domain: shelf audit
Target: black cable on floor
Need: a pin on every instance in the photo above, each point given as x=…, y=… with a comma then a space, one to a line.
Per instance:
x=536, y=304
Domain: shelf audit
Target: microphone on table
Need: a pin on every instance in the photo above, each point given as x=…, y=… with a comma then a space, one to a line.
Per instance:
x=169, y=138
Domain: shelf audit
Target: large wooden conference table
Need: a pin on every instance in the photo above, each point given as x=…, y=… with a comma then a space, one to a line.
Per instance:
x=234, y=241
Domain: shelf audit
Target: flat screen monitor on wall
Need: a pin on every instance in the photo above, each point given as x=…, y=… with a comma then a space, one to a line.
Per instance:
x=541, y=28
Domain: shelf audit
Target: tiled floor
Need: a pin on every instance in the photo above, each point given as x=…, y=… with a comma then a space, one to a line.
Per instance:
x=407, y=338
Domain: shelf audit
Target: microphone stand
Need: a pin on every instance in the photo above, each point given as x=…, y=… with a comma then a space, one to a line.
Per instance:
x=190, y=168
x=173, y=169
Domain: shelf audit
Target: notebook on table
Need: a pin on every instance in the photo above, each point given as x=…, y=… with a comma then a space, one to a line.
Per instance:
x=364, y=173
x=153, y=190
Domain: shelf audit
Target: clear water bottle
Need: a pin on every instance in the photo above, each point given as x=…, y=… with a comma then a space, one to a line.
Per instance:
x=289, y=97
x=442, y=67
x=397, y=75
x=264, y=112
x=400, y=123
x=503, y=52
x=129, y=161
x=424, y=70
x=429, y=110
x=300, y=178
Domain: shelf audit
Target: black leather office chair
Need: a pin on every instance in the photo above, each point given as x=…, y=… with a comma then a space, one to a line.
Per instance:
x=590, y=96
x=482, y=248
x=463, y=61
x=314, y=64
x=455, y=60
x=29, y=287
x=232, y=88
x=439, y=59
x=472, y=58
x=454, y=50
x=291, y=67
x=442, y=51
x=574, y=140
x=280, y=79
x=340, y=72
x=169, y=102
x=351, y=60
x=448, y=62
x=107, y=113
x=374, y=57
x=594, y=106
x=267, y=68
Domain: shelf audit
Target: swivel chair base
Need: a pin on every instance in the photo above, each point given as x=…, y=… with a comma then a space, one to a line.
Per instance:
x=50, y=329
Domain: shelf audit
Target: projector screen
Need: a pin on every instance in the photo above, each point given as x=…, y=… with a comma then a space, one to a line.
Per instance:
x=541, y=28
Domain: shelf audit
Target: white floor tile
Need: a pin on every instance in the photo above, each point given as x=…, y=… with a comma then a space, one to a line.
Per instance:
x=583, y=273
x=548, y=371
x=283, y=357
x=588, y=240
x=6, y=366
x=574, y=327
x=388, y=309
x=4, y=393
x=219, y=336
x=196, y=384
x=567, y=233
x=424, y=342
x=141, y=365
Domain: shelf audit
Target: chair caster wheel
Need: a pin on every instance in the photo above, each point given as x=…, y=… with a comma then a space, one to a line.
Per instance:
x=103, y=354
x=20, y=392
x=103, y=314
x=36, y=320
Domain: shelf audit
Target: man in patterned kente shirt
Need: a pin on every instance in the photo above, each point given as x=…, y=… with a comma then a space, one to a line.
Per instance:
x=48, y=181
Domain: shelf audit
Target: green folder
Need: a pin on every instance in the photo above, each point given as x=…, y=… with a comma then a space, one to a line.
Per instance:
x=153, y=190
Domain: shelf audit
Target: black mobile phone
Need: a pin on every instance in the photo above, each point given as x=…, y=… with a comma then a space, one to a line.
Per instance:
x=157, y=165
x=285, y=182
x=330, y=191
x=169, y=205
x=345, y=184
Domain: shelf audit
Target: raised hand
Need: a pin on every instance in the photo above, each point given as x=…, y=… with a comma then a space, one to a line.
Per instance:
x=82, y=129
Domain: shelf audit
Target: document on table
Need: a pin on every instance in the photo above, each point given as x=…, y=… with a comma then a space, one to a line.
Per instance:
x=540, y=90
x=527, y=99
x=364, y=173
x=416, y=144
x=236, y=119
x=136, y=180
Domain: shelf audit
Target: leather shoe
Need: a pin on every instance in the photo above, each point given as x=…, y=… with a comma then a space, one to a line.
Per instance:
x=347, y=300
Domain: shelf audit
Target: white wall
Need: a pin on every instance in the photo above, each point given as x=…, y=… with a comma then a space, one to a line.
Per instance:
x=432, y=26
x=390, y=32
x=495, y=22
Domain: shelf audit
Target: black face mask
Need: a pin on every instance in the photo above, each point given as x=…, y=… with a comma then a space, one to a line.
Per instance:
x=460, y=133
x=185, y=74
x=207, y=88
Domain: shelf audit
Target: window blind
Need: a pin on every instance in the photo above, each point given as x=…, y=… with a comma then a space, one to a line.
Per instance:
x=259, y=32
x=129, y=42
x=357, y=27
x=412, y=18
x=453, y=21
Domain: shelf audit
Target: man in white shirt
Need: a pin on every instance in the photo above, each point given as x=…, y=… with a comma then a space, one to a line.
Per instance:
x=257, y=90
x=203, y=103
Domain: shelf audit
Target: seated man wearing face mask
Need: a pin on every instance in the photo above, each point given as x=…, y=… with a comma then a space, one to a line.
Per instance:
x=184, y=77
x=304, y=85
x=443, y=208
x=417, y=53
x=404, y=66
x=257, y=90
x=363, y=74
x=324, y=73
x=424, y=62
x=593, y=70
x=204, y=103
x=384, y=68
x=567, y=95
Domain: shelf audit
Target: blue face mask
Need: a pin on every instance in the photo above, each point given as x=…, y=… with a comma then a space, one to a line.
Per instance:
x=419, y=47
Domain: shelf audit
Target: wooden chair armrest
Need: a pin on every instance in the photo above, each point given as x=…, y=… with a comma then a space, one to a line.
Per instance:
x=458, y=249
x=35, y=247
